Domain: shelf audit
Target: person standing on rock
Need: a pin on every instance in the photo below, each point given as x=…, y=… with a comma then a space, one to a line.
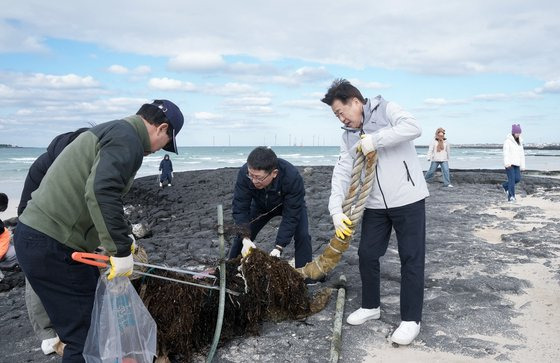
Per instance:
x=438, y=154
x=266, y=187
x=78, y=207
x=514, y=161
x=166, y=171
x=397, y=200
x=42, y=325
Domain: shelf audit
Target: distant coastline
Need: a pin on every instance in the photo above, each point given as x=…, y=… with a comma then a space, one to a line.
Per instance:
x=8, y=146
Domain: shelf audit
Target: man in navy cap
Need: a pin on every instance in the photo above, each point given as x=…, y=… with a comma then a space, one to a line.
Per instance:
x=78, y=207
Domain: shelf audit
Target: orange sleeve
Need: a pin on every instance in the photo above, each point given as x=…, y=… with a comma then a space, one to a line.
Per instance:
x=4, y=242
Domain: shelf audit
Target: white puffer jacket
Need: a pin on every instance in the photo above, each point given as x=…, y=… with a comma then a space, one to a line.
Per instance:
x=399, y=177
x=513, y=152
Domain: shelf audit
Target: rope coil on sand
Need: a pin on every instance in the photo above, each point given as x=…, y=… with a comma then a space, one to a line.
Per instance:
x=353, y=206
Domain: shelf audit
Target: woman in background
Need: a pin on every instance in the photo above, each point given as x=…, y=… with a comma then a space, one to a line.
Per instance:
x=514, y=161
x=438, y=154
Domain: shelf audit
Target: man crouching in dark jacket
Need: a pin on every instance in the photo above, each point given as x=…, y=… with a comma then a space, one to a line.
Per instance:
x=267, y=187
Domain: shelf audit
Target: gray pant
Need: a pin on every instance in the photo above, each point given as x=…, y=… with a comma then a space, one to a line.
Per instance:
x=9, y=260
x=37, y=315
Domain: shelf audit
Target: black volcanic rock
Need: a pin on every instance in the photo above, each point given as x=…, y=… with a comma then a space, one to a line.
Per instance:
x=465, y=292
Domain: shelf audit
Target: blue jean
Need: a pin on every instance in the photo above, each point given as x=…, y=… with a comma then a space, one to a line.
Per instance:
x=409, y=223
x=514, y=177
x=444, y=171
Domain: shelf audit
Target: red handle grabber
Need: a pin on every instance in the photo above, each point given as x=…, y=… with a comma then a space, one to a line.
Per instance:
x=93, y=259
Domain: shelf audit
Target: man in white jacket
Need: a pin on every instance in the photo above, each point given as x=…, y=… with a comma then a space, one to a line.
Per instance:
x=396, y=200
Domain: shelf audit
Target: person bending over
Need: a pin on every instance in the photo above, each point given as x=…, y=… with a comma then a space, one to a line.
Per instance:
x=78, y=207
x=266, y=187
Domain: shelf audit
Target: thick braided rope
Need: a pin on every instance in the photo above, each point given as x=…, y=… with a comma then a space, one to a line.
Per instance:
x=353, y=206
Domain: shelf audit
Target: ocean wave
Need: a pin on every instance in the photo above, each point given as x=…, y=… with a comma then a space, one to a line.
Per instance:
x=312, y=157
x=284, y=156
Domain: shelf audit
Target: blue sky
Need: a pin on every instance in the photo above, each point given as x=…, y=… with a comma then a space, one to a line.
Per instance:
x=248, y=74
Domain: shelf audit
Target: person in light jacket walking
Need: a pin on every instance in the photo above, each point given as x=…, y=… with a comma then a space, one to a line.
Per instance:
x=397, y=200
x=438, y=154
x=514, y=161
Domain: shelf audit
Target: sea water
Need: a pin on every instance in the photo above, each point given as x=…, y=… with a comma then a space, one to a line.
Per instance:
x=15, y=162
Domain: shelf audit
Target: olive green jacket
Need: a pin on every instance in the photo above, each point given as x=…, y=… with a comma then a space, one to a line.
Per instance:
x=79, y=202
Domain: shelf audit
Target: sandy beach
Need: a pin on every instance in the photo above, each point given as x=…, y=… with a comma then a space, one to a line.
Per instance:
x=492, y=273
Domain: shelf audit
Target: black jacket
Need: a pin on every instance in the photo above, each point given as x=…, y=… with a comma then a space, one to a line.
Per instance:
x=166, y=166
x=40, y=166
x=286, y=193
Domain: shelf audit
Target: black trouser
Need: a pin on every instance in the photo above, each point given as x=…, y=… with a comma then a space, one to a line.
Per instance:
x=66, y=288
x=409, y=222
x=302, y=240
x=165, y=177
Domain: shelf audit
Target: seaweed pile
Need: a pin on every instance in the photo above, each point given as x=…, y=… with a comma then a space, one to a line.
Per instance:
x=269, y=289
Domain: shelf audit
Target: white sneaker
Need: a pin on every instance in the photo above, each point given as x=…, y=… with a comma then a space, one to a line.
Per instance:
x=362, y=315
x=512, y=200
x=406, y=332
x=169, y=184
x=449, y=186
x=47, y=345
x=160, y=185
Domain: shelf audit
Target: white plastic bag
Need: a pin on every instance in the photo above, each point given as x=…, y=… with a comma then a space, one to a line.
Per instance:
x=122, y=329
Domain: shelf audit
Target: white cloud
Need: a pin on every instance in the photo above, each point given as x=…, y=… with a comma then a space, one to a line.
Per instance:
x=142, y=70
x=207, y=116
x=305, y=104
x=67, y=81
x=550, y=87
x=39, y=90
x=360, y=84
x=196, y=62
x=311, y=74
x=15, y=37
x=117, y=69
x=443, y=102
x=138, y=71
x=492, y=97
x=255, y=101
x=253, y=110
x=229, y=89
x=169, y=84
x=424, y=37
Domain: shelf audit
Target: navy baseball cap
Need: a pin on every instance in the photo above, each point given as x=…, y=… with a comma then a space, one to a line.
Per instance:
x=175, y=118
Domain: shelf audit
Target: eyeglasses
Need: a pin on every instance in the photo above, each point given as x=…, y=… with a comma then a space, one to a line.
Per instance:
x=257, y=179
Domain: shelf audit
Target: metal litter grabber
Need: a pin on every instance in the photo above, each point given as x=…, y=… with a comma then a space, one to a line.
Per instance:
x=98, y=260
